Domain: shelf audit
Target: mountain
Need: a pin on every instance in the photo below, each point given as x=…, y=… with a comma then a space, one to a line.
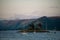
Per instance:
x=14, y=24
x=47, y=23
x=52, y=23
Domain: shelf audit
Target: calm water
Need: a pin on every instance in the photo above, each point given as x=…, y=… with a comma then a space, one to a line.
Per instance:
x=15, y=35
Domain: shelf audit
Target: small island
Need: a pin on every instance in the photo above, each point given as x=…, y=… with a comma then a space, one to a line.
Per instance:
x=33, y=29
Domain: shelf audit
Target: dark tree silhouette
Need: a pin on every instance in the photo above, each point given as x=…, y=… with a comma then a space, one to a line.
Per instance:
x=31, y=26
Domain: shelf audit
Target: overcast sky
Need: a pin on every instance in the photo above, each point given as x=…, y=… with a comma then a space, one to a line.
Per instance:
x=25, y=9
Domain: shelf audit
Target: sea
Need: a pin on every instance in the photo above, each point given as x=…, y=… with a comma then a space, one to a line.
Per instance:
x=16, y=35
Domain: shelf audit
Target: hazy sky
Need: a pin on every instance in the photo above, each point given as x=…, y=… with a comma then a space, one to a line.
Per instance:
x=25, y=9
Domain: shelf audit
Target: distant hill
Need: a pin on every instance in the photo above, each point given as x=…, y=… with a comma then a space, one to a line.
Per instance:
x=52, y=23
x=14, y=24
